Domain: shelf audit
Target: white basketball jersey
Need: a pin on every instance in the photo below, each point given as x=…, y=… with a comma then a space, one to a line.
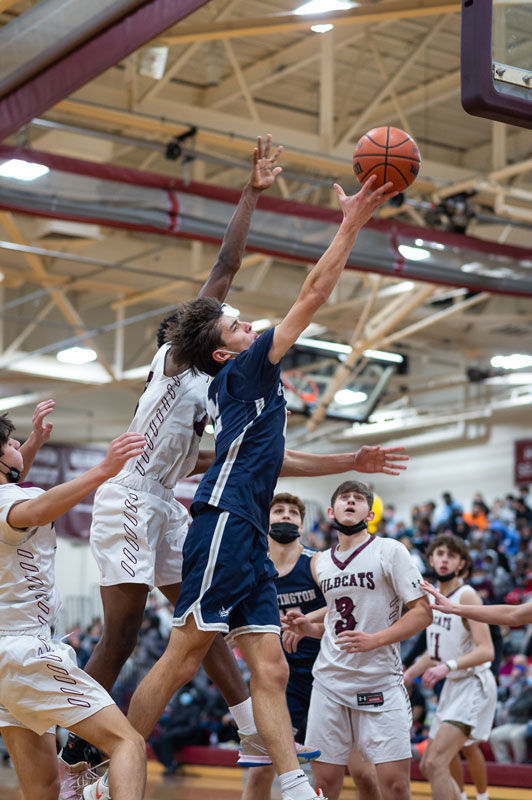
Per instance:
x=29, y=600
x=448, y=637
x=365, y=589
x=171, y=414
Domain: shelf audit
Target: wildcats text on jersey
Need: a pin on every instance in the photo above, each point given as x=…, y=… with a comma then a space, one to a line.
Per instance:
x=364, y=580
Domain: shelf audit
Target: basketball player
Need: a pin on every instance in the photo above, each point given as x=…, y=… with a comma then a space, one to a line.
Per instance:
x=461, y=653
x=358, y=696
x=40, y=682
x=297, y=589
x=514, y=616
x=227, y=575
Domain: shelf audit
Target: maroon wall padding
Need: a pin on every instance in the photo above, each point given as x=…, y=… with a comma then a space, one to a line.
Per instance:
x=90, y=60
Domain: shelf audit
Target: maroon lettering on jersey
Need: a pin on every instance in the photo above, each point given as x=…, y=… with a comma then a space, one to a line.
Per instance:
x=199, y=426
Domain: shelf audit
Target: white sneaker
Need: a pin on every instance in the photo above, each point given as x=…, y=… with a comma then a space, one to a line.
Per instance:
x=98, y=790
x=254, y=753
x=319, y=796
x=305, y=752
x=74, y=778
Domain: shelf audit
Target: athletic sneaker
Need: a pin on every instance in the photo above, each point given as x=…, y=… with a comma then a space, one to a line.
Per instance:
x=252, y=751
x=77, y=750
x=74, y=778
x=98, y=790
x=319, y=796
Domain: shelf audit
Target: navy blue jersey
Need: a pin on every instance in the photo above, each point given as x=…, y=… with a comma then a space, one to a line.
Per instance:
x=298, y=589
x=247, y=407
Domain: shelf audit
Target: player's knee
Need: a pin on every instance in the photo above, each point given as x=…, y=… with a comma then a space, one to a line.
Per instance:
x=48, y=789
x=366, y=781
x=274, y=674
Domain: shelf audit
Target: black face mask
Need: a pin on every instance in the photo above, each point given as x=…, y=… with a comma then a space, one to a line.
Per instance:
x=12, y=474
x=447, y=577
x=349, y=530
x=284, y=532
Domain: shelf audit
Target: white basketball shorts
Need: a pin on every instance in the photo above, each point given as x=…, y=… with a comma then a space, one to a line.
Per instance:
x=41, y=684
x=380, y=736
x=471, y=701
x=137, y=533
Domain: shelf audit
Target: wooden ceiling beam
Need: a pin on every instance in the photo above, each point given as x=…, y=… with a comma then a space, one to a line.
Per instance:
x=289, y=23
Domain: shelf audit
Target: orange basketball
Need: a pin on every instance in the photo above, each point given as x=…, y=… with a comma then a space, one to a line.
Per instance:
x=390, y=154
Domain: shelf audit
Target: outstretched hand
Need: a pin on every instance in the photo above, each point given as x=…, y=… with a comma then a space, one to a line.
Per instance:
x=41, y=430
x=263, y=171
x=296, y=622
x=359, y=208
x=443, y=603
x=127, y=445
x=380, y=459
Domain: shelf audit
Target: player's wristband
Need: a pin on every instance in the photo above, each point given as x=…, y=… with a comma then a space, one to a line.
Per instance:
x=452, y=663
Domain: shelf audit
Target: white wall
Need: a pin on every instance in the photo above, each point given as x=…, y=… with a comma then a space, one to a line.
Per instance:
x=487, y=467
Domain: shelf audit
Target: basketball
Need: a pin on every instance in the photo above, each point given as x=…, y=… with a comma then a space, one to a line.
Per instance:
x=390, y=154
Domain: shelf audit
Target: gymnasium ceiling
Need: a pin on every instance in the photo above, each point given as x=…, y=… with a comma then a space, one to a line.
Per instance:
x=234, y=71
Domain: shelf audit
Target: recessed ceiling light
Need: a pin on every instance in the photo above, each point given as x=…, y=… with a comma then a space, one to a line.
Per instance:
x=261, y=325
x=346, y=397
x=22, y=170
x=322, y=6
x=76, y=355
x=321, y=28
x=413, y=253
x=515, y=361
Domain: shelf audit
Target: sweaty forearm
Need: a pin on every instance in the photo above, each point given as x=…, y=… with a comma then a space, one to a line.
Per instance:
x=234, y=242
x=297, y=464
x=408, y=625
x=48, y=506
x=29, y=450
x=324, y=277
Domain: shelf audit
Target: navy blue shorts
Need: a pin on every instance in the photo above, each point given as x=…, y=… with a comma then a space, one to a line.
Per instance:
x=227, y=576
x=298, y=699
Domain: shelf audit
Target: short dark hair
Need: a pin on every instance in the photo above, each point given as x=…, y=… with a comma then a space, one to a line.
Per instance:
x=165, y=328
x=6, y=429
x=454, y=544
x=353, y=486
x=289, y=499
x=194, y=333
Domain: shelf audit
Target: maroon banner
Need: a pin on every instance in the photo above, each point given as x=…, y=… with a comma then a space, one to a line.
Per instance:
x=55, y=464
x=523, y=462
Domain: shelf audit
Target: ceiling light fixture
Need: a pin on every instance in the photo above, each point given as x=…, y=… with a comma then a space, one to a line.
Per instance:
x=345, y=349
x=22, y=170
x=261, y=325
x=230, y=311
x=515, y=361
x=346, y=397
x=76, y=355
x=413, y=253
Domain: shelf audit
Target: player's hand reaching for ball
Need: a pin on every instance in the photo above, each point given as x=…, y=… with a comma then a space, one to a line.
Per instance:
x=357, y=641
x=359, y=208
x=263, y=171
x=42, y=430
x=128, y=445
x=380, y=459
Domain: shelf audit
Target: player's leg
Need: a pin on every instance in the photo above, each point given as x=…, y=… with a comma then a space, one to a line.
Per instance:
x=394, y=780
x=329, y=778
x=477, y=767
x=437, y=758
x=364, y=776
x=35, y=762
x=457, y=772
x=259, y=783
x=219, y=662
x=123, y=611
x=269, y=676
x=178, y=665
x=110, y=731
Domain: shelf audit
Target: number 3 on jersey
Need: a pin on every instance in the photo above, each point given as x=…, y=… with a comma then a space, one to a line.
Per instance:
x=345, y=607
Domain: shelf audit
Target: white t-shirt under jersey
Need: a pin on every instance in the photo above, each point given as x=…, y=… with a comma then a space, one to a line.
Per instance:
x=29, y=600
x=365, y=589
x=448, y=637
x=171, y=414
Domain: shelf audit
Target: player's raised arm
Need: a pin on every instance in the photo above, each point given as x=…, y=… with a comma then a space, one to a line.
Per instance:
x=357, y=210
x=41, y=432
x=263, y=174
x=493, y=615
x=51, y=504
